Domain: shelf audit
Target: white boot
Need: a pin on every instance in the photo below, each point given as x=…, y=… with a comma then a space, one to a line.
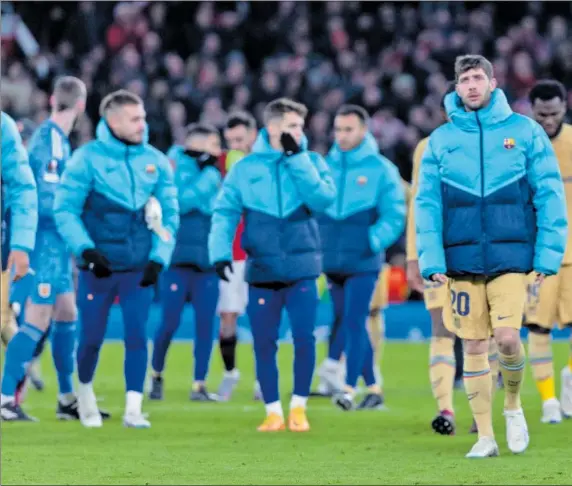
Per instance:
x=485, y=447
x=133, y=417
x=516, y=431
x=551, y=413
x=89, y=415
x=566, y=392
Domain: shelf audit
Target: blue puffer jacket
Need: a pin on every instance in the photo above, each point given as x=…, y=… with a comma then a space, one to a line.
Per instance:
x=101, y=201
x=490, y=198
x=368, y=214
x=19, y=194
x=277, y=195
x=197, y=191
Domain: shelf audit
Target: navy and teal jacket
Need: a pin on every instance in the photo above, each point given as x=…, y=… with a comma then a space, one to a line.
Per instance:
x=49, y=150
x=197, y=191
x=277, y=196
x=19, y=194
x=368, y=214
x=490, y=199
x=101, y=202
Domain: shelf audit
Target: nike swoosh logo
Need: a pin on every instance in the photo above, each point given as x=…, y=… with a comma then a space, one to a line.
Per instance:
x=470, y=396
x=501, y=318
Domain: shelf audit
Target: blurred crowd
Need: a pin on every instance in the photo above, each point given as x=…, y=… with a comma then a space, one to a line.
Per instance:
x=194, y=61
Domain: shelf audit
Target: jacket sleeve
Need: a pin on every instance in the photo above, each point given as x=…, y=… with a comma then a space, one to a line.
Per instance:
x=391, y=205
x=166, y=194
x=75, y=186
x=550, y=203
x=429, y=216
x=226, y=216
x=411, y=248
x=21, y=193
x=200, y=191
x=313, y=180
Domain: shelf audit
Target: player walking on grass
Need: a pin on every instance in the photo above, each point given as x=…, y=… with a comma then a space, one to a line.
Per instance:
x=100, y=213
x=240, y=134
x=366, y=217
x=277, y=188
x=490, y=209
x=442, y=360
x=20, y=197
x=191, y=276
x=552, y=301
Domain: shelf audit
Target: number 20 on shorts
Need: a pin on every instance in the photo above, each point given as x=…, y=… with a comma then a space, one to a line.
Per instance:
x=461, y=303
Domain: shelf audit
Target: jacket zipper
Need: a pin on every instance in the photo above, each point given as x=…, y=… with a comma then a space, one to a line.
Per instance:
x=279, y=189
x=132, y=178
x=342, y=186
x=483, y=218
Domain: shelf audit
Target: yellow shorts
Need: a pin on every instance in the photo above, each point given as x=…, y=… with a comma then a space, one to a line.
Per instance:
x=552, y=302
x=478, y=306
x=380, y=297
x=6, y=310
x=435, y=295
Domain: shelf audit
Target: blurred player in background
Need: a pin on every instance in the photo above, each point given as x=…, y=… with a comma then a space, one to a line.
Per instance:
x=240, y=134
x=191, y=276
x=100, y=213
x=366, y=217
x=276, y=188
x=474, y=225
x=552, y=301
x=20, y=198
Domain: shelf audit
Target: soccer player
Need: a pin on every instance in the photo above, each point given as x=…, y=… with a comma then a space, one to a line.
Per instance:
x=240, y=134
x=489, y=209
x=366, y=217
x=19, y=196
x=277, y=188
x=190, y=275
x=552, y=301
x=99, y=211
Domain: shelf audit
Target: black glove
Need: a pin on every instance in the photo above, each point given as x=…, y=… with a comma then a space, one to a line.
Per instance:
x=220, y=269
x=97, y=263
x=151, y=274
x=289, y=144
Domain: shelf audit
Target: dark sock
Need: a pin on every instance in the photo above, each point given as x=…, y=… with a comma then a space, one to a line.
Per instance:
x=458, y=359
x=228, y=351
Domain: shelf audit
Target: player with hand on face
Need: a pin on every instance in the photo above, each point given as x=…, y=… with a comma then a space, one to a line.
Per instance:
x=552, y=300
x=490, y=209
x=277, y=188
x=191, y=276
x=367, y=216
x=100, y=212
x=240, y=134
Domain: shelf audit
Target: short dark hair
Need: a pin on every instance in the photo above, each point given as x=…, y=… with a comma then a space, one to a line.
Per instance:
x=68, y=90
x=278, y=108
x=238, y=118
x=472, y=61
x=547, y=89
x=201, y=129
x=118, y=99
x=450, y=89
x=359, y=111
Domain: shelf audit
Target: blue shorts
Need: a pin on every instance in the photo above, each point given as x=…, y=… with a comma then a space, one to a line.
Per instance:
x=53, y=269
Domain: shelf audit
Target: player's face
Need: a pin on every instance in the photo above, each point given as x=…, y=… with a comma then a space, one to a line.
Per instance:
x=349, y=131
x=128, y=122
x=210, y=144
x=474, y=87
x=240, y=138
x=293, y=124
x=550, y=114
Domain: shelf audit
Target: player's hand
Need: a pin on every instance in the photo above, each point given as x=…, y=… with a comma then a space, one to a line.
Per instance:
x=220, y=268
x=206, y=160
x=97, y=263
x=539, y=279
x=439, y=277
x=20, y=261
x=151, y=274
x=289, y=145
x=414, y=278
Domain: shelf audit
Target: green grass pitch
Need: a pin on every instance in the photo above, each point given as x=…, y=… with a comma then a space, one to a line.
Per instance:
x=218, y=444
